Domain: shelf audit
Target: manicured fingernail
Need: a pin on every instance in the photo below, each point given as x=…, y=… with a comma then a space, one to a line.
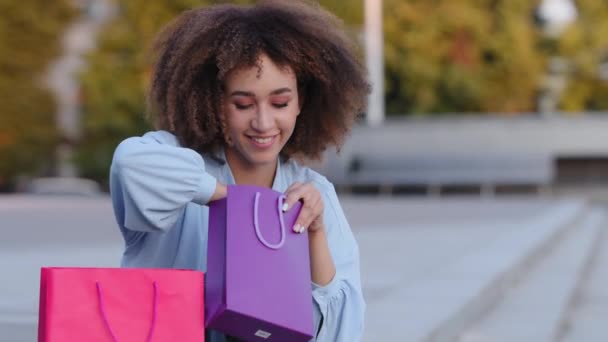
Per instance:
x=285, y=207
x=302, y=229
x=296, y=228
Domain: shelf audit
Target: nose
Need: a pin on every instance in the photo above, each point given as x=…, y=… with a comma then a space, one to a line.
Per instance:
x=263, y=120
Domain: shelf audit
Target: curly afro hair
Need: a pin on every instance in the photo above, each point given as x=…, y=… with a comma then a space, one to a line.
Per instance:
x=202, y=46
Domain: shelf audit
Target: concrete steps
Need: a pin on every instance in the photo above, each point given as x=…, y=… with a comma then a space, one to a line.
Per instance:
x=534, y=309
x=440, y=304
x=586, y=320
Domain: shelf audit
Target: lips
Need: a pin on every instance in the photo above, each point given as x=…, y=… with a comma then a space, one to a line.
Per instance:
x=263, y=141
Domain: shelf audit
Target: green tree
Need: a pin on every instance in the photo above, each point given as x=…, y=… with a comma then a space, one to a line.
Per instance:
x=585, y=45
x=30, y=32
x=461, y=56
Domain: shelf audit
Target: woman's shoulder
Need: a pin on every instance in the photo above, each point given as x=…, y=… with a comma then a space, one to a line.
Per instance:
x=162, y=142
x=305, y=174
x=151, y=137
x=160, y=137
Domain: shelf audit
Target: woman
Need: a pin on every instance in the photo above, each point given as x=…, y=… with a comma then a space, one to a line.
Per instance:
x=239, y=94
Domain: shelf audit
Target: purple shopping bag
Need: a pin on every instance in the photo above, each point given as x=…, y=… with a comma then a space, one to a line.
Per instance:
x=258, y=270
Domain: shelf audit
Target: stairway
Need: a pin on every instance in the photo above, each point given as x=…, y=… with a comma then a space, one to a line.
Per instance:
x=588, y=313
x=535, y=308
x=535, y=275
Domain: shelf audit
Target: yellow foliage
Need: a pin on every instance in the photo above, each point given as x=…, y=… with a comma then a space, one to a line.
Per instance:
x=461, y=56
x=585, y=46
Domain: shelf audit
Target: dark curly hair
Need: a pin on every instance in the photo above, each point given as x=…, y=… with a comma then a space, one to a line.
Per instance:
x=201, y=46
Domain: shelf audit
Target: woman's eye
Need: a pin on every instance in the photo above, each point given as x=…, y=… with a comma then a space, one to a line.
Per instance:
x=280, y=105
x=242, y=106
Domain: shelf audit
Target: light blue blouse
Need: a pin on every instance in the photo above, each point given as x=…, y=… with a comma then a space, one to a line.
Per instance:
x=159, y=191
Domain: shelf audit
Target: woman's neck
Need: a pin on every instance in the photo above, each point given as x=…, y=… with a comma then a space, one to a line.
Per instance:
x=243, y=173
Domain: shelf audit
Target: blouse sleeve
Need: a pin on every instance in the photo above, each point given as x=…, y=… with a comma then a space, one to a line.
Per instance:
x=339, y=306
x=152, y=179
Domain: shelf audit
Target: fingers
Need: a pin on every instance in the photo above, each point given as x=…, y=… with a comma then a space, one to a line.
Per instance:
x=293, y=194
x=308, y=214
x=312, y=208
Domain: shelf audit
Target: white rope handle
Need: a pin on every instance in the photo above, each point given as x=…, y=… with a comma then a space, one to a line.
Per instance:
x=257, y=225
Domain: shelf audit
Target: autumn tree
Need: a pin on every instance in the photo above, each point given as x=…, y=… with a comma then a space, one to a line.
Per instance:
x=449, y=56
x=30, y=39
x=584, y=45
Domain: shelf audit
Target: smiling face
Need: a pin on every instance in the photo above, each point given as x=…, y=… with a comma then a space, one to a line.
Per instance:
x=261, y=106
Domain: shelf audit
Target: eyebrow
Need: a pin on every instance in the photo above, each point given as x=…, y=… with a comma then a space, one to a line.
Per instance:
x=250, y=94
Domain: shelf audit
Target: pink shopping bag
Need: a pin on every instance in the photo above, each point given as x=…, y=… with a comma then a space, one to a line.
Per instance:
x=124, y=305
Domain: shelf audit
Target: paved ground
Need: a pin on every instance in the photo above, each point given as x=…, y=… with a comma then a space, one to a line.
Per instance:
x=402, y=241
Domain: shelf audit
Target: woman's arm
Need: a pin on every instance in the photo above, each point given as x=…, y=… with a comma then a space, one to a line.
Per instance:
x=340, y=307
x=322, y=265
x=152, y=179
x=334, y=259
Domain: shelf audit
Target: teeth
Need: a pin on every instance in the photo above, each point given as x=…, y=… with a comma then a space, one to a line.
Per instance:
x=262, y=140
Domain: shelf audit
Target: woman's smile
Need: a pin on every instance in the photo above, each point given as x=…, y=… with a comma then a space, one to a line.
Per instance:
x=263, y=142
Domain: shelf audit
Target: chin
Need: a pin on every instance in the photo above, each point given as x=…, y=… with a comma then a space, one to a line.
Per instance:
x=263, y=160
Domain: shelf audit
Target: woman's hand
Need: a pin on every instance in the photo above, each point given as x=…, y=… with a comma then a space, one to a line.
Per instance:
x=311, y=214
x=221, y=191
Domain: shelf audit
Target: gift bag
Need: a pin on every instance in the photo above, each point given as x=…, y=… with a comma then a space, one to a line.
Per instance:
x=258, y=269
x=124, y=305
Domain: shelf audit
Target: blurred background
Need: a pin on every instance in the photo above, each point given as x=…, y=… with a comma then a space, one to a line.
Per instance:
x=476, y=182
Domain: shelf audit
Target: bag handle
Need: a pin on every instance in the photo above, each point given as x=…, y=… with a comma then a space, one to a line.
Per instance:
x=105, y=317
x=256, y=224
